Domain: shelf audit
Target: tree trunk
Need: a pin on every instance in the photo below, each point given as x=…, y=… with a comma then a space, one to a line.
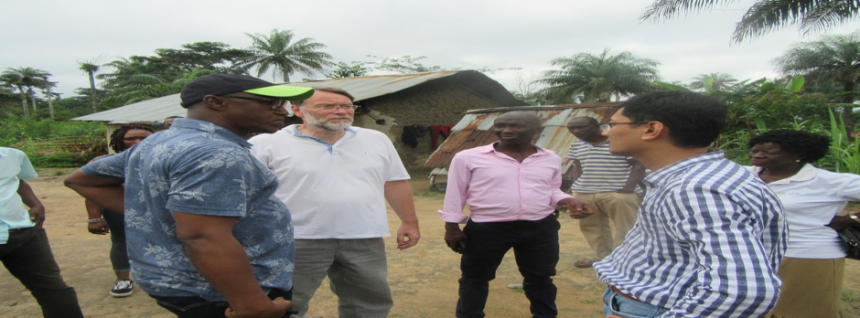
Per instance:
x=32, y=98
x=848, y=107
x=24, y=101
x=50, y=101
x=93, y=92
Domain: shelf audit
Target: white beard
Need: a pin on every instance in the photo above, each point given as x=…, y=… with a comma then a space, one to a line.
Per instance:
x=321, y=123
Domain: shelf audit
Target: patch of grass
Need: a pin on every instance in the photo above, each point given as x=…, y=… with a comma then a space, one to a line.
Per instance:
x=589, y=300
x=432, y=195
x=58, y=160
x=59, y=173
x=849, y=295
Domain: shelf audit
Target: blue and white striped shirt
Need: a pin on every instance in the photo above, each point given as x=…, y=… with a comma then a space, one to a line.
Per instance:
x=708, y=243
x=602, y=171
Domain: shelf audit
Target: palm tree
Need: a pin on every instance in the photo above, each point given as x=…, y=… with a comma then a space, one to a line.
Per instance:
x=29, y=78
x=833, y=59
x=766, y=15
x=590, y=77
x=276, y=52
x=91, y=67
x=12, y=79
x=714, y=82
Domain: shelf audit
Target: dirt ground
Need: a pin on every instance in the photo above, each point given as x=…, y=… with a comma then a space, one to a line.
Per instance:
x=423, y=279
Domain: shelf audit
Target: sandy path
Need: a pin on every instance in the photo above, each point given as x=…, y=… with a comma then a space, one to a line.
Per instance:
x=423, y=279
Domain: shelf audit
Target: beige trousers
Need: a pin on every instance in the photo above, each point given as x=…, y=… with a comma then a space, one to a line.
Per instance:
x=810, y=288
x=620, y=208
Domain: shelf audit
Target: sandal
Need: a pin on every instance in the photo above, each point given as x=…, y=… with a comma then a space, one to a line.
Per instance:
x=584, y=263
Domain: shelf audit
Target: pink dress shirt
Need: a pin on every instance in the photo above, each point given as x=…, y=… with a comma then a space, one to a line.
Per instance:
x=498, y=188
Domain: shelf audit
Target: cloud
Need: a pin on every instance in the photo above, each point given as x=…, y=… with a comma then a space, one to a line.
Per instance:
x=52, y=35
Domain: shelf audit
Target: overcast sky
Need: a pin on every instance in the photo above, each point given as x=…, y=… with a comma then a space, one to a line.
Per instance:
x=467, y=34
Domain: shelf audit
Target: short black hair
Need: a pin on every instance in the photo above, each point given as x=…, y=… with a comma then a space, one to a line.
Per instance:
x=590, y=120
x=808, y=146
x=694, y=120
x=117, y=135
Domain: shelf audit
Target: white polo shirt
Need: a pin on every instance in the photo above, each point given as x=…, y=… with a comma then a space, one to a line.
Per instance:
x=333, y=191
x=14, y=167
x=811, y=198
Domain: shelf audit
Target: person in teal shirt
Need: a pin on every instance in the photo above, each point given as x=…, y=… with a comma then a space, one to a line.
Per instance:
x=24, y=248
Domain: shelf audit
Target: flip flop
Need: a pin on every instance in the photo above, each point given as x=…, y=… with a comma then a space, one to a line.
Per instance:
x=584, y=263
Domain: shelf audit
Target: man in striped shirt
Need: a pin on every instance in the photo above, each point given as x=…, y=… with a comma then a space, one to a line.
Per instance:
x=606, y=182
x=710, y=235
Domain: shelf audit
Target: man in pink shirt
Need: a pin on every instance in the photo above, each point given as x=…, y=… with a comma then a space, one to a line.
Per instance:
x=512, y=189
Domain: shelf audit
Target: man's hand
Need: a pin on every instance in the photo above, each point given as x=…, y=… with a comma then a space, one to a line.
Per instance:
x=407, y=235
x=453, y=236
x=841, y=223
x=37, y=215
x=100, y=228
x=278, y=309
x=577, y=209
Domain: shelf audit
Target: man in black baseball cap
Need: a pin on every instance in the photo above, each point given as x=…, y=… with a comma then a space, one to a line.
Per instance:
x=206, y=235
x=222, y=84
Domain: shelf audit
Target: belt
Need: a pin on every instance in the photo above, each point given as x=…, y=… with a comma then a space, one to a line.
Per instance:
x=530, y=223
x=623, y=294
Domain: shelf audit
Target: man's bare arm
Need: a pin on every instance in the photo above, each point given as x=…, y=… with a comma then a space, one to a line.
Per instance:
x=104, y=192
x=399, y=195
x=37, y=210
x=222, y=261
x=637, y=173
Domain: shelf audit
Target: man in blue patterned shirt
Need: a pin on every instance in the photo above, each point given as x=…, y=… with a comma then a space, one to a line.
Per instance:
x=205, y=232
x=710, y=235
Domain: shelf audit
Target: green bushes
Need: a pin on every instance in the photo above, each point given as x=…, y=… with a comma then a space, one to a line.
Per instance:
x=51, y=143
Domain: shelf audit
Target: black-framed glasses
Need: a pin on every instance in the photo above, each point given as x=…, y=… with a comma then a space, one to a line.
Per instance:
x=334, y=107
x=608, y=126
x=272, y=103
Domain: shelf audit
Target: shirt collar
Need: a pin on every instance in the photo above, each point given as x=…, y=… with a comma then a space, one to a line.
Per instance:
x=665, y=174
x=295, y=130
x=491, y=148
x=806, y=173
x=205, y=126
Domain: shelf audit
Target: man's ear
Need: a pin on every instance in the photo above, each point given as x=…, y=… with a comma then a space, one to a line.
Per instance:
x=654, y=130
x=297, y=110
x=215, y=103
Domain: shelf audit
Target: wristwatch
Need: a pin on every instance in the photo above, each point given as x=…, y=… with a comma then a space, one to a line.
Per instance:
x=95, y=220
x=854, y=217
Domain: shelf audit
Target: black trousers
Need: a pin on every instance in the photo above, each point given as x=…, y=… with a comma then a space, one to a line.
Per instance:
x=27, y=255
x=197, y=307
x=535, y=247
x=118, y=249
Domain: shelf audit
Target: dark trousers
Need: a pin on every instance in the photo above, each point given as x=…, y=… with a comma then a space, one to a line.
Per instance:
x=196, y=307
x=535, y=247
x=118, y=249
x=27, y=255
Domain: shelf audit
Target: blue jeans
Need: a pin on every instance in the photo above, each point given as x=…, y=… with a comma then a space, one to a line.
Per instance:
x=618, y=305
x=196, y=307
x=536, y=250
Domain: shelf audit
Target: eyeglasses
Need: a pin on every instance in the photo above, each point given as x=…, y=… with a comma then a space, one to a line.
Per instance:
x=334, y=107
x=272, y=103
x=608, y=126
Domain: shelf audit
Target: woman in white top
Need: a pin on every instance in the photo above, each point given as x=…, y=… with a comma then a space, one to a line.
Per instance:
x=812, y=268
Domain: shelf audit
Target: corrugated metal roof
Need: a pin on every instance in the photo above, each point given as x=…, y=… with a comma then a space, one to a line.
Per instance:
x=362, y=88
x=367, y=87
x=475, y=129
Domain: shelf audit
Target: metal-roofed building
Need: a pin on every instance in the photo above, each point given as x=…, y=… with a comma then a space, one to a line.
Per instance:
x=475, y=129
x=389, y=103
